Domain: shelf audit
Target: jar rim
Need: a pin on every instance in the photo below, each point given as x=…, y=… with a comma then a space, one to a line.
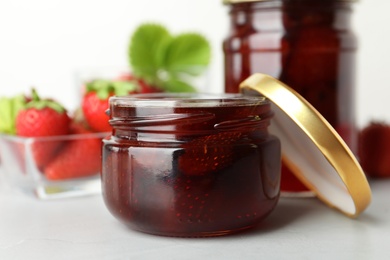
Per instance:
x=187, y=100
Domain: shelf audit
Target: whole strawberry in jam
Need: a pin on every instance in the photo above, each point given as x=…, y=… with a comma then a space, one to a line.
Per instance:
x=209, y=153
x=42, y=118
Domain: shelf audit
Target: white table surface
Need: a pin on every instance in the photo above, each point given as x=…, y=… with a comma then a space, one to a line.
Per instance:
x=82, y=228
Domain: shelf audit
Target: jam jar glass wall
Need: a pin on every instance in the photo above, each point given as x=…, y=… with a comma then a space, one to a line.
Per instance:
x=190, y=164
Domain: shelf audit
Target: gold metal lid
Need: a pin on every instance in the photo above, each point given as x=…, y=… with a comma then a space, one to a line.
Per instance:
x=312, y=149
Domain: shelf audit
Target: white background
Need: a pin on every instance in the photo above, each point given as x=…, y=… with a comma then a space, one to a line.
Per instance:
x=44, y=42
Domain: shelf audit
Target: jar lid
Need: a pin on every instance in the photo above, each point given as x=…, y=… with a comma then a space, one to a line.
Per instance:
x=312, y=149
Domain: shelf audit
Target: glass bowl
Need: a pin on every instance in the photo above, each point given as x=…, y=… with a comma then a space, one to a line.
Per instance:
x=53, y=167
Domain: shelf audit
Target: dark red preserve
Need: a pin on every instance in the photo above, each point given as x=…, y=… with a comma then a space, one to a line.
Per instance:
x=190, y=164
x=307, y=44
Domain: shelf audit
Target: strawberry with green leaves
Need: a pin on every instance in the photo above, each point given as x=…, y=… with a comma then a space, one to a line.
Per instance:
x=42, y=118
x=95, y=101
x=161, y=62
x=141, y=85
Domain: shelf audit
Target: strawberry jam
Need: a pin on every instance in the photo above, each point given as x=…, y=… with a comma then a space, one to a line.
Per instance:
x=307, y=44
x=190, y=164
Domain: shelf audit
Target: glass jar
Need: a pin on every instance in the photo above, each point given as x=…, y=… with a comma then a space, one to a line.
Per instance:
x=307, y=44
x=190, y=164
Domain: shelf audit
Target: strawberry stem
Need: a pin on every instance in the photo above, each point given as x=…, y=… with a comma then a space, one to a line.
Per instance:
x=38, y=103
x=34, y=95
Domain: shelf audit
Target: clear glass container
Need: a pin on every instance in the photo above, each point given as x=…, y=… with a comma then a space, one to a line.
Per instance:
x=36, y=165
x=190, y=164
x=307, y=44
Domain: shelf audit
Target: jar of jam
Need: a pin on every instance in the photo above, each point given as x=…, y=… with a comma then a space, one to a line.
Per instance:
x=190, y=164
x=308, y=45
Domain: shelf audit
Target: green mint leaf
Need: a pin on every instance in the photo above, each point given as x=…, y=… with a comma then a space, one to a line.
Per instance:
x=176, y=85
x=189, y=53
x=147, y=50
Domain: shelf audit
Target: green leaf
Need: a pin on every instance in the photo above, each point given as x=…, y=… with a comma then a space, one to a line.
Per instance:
x=167, y=61
x=123, y=88
x=175, y=85
x=38, y=103
x=5, y=116
x=97, y=84
x=147, y=49
x=189, y=53
x=9, y=109
x=102, y=87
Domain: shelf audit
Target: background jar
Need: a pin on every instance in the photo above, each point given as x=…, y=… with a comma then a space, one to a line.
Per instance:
x=190, y=165
x=307, y=44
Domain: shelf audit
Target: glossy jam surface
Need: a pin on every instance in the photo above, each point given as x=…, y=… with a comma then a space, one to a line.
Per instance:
x=306, y=44
x=212, y=169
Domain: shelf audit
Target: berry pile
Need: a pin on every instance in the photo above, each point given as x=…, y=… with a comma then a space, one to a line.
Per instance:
x=160, y=62
x=65, y=146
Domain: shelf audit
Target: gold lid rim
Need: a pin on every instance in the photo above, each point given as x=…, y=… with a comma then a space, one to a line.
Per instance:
x=334, y=150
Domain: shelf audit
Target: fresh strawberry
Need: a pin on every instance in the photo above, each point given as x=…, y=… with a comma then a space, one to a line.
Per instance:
x=374, y=149
x=146, y=88
x=78, y=157
x=94, y=109
x=142, y=86
x=42, y=118
x=208, y=153
x=95, y=101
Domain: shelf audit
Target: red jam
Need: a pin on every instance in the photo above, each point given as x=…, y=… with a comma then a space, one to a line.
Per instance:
x=307, y=44
x=190, y=165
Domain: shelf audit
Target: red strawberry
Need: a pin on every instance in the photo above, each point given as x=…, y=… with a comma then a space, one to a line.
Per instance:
x=208, y=153
x=374, y=149
x=94, y=109
x=42, y=118
x=142, y=86
x=78, y=157
x=145, y=88
x=95, y=101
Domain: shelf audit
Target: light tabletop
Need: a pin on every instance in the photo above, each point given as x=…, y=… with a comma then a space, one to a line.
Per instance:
x=82, y=228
